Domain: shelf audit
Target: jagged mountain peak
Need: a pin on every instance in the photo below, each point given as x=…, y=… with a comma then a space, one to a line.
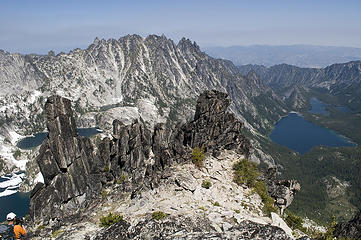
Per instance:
x=185, y=43
x=151, y=78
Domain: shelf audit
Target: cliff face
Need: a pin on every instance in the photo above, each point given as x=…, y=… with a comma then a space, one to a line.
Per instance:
x=68, y=164
x=136, y=171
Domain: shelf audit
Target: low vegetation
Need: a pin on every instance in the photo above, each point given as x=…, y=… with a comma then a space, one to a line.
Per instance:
x=206, y=184
x=110, y=219
x=56, y=233
x=216, y=204
x=294, y=222
x=198, y=157
x=246, y=172
x=17, y=154
x=122, y=179
x=158, y=215
x=106, y=169
x=104, y=193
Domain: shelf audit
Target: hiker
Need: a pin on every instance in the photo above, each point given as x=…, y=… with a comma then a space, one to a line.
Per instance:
x=15, y=230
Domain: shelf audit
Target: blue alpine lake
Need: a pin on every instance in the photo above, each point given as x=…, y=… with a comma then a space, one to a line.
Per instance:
x=18, y=203
x=11, y=200
x=294, y=132
x=318, y=107
x=37, y=139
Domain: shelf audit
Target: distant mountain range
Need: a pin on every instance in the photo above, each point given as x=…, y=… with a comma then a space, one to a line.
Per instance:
x=342, y=80
x=298, y=55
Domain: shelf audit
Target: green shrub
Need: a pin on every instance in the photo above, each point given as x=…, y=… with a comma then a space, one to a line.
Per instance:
x=110, y=219
x=104, y=193
x=294, y=221
x=198, y=156
x=216, y=204
x=268, y=206
x=246, y=172
x=56, y=233
x=17, y=154
x=106, y=169
x=330, y=230
x=203, y=208
x=206, y=184
x=121, y=179
x=158, y=215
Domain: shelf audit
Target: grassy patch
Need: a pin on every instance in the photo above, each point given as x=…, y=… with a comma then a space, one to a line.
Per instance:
x=216, y=204
x=158, y=215
x=294, y=221
x=56, y=233
x=122, y=179
x=202, y=208
x=206, y=184
x=109, y=220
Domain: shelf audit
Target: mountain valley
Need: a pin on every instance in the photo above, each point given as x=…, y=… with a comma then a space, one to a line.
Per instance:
x=156, y=81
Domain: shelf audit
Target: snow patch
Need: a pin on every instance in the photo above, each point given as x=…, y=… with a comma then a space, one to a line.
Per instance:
x=6, y=151
x=39, y=178
x=32, y=98
x=15, y=180
x=7, y=193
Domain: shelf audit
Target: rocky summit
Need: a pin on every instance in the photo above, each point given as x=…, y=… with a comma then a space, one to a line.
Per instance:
x=147, y=178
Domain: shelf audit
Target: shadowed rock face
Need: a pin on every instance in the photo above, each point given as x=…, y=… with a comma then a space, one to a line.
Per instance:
x=214, y=128
x=74, y=172
x=67, y=162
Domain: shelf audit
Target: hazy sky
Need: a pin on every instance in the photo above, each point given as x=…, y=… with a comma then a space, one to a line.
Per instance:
x=37, y=26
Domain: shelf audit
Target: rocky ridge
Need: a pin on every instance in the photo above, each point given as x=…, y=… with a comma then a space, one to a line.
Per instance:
x=136, y=171
x=341, y=80
x=152, y=78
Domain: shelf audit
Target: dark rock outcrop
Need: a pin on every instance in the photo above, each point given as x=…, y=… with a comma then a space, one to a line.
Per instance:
x=75, y=173
x=350, y=229
x=67, y=162
x=283, y=191
x=213, y=127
